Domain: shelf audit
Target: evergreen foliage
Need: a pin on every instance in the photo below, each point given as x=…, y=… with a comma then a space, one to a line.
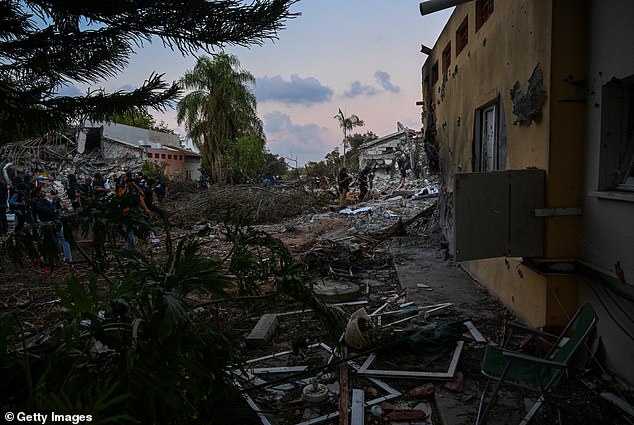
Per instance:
x=45, y=45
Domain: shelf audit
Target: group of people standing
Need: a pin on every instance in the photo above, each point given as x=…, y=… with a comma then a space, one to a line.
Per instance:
x=365, y=179
x=26, y=198
x=30, y=202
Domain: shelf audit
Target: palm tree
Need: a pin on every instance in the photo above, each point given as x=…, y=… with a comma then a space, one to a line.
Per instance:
x=219, y=108
x=347, y=124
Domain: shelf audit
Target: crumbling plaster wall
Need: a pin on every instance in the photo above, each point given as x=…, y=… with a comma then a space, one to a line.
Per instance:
x=519, y=37
x=505, y=50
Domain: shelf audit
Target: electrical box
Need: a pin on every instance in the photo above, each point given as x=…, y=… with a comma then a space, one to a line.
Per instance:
x=494, y=214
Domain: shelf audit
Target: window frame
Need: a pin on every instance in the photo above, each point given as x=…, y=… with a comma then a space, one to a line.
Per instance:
x=462, y=35
x=616, y=166
x=483, y=11
x=480, y=162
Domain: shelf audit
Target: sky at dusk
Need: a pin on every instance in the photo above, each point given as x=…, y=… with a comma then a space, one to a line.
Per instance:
x=362, y=56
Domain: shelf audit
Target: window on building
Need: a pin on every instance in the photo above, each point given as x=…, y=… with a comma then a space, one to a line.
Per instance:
x=617, y=135
x=446, y=58
x=462, y=35
x=434, y=73
x=484, y=9
x=486, y=149
x=162, y=156
x=180, y=157
x=149, y=154
x=169, y=156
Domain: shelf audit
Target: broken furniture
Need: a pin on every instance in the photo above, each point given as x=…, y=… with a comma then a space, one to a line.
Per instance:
x=540, y=373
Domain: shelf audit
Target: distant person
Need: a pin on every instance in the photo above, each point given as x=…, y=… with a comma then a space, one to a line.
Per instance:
x=46, y=211
x=4, y=199
x=160, y=189
x=100, y=185
x=132, y=200
x=86, y=187
x=73, y=191
x=203, y=182
x=363, y=182
x=267, y=182
x=19, y=205
x=149, y=191
x=343, y=180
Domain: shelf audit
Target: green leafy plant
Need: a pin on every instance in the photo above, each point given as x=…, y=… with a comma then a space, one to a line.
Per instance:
x=129, y=346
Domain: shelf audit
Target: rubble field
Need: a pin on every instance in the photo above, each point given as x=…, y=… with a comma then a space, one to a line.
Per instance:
x=418, y=326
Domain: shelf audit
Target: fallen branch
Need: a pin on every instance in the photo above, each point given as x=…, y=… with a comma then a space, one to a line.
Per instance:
x=399, y=228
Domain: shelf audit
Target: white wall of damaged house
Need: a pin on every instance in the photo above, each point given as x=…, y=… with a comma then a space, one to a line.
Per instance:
x=606, y=236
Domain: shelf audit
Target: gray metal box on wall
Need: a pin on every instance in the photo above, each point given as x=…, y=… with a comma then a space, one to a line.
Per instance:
x=495, y=214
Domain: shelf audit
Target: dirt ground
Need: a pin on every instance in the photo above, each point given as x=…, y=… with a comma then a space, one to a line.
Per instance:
x=391, y=271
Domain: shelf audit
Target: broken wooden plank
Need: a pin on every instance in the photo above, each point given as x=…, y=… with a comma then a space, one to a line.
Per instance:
x=343, y=394
x=358, y=401
x=474, y=331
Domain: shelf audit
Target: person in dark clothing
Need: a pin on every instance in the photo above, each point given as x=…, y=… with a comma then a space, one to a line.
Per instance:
x=160, y=189
x=73, y=191
x=148, y=193
x=18, y=205
x=86, y=187
x=4, y=199
x=363, y=182
x=46, y=211
x=344, y=180
x=133, y=200
x=100, y=185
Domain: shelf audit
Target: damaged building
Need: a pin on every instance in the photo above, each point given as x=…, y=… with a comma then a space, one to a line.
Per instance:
x=152, y=146
x=105, y=147
x=393, y=152
x=530, y=103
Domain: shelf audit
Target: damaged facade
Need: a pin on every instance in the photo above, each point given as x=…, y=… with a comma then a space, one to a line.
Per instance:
x=152, y=146
x=393, y=152
x=107, y=148
x=531, y=107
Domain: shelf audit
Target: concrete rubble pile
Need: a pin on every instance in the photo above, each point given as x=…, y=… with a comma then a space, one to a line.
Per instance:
x=56, y=155
x=358, y=278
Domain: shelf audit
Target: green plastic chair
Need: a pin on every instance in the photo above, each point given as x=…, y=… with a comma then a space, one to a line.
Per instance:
x=537, y=372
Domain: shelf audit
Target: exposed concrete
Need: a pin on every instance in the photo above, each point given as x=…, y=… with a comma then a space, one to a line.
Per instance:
x=263, y=330
x=450, y=283
x=337, y=291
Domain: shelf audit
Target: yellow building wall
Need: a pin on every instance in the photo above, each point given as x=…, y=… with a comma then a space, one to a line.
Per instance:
x=505, y=50
x=539, y=300
x=519, y=35
x=567, y=129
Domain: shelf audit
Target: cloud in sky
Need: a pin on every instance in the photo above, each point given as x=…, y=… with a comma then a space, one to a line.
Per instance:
x=384, y=79
x=127, y=88
x=358, y=89
x=297, y=90
x=69, y=90
x=306, y=142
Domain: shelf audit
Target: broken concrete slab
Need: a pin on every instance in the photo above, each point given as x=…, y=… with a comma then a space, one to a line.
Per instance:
x=264, y=330
x=337, y=291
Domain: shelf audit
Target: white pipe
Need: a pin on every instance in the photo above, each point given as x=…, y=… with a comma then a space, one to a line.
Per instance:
x=431, y=6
